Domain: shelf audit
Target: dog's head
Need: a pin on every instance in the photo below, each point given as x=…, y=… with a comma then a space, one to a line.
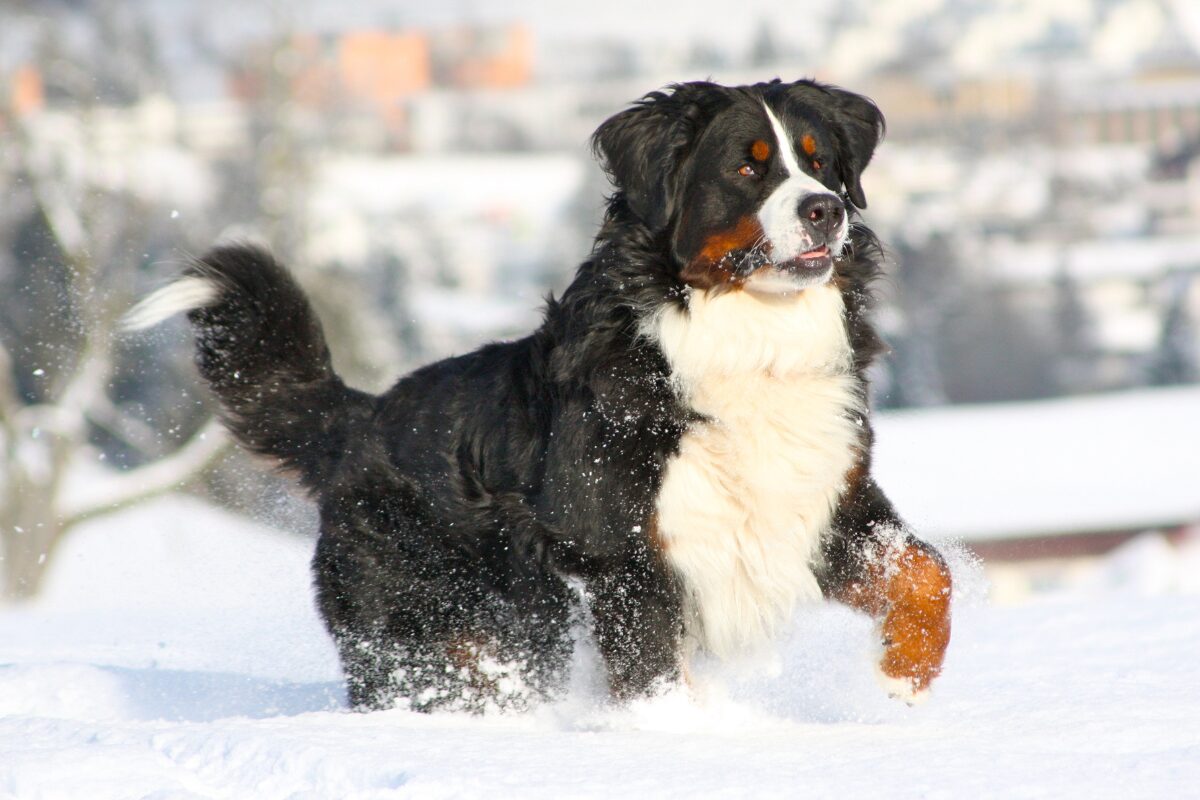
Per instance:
x=753, y=185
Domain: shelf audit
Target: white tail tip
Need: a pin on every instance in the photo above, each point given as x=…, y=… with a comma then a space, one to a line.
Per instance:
x=183, y=295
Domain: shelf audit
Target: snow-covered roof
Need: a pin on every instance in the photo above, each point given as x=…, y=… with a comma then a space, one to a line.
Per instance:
x=1134, y=258
x=1132, y=95
x=1126, y=461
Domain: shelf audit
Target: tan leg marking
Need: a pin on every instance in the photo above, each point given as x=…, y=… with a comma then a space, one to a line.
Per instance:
x=908, y=590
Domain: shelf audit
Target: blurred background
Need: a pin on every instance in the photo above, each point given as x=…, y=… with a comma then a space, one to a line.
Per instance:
x=426, y=172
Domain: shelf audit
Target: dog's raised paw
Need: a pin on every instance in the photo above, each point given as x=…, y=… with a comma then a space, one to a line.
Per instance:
x=904, y=689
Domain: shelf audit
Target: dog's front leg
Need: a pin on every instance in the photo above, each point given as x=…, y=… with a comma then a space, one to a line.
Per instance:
x=637, y=619
x=906, y=587
x=872, y=564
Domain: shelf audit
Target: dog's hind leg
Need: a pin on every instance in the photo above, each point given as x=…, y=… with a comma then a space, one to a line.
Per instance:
x=393, y=599
x=422, y=618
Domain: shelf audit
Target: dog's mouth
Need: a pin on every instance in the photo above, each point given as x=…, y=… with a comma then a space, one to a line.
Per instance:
x=758, y=272
x=810, y=268
x=808, y=263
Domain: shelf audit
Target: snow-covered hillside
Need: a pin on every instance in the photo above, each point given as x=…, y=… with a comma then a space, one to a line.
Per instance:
x=1119, y=461
x=175, y=654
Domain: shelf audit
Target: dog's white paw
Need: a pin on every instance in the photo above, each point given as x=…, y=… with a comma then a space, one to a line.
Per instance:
x=902, y=689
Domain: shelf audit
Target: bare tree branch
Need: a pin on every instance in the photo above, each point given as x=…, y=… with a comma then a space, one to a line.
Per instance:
x=61, y=214
x=158, y=477
x=132, y=431
x=88, y=382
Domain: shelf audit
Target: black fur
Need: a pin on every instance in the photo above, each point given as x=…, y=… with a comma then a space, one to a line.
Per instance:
x=455, y=506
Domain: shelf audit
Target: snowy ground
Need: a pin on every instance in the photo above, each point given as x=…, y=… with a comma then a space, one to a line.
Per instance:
x=175, y=654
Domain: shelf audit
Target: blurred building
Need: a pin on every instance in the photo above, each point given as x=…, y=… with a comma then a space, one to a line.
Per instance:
x=368, y=80
x=26, y=93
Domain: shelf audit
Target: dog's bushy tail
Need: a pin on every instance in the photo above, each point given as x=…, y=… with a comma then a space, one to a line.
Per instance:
x=260, y=346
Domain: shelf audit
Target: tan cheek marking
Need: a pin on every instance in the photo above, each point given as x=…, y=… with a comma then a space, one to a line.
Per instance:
x=710, y=268
x=809, y=144
x=856, y=474
x=760, y=150
x=658, y=543
x=910, y=591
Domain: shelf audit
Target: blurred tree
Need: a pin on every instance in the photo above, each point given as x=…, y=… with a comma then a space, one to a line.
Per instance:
x=1076, y=350
x=1177, y=359
x=58, y=362
x=764, y=49
x=924, y=287
x=71, y=446
x=992, y=352
x=704, y=54
x=961, y=338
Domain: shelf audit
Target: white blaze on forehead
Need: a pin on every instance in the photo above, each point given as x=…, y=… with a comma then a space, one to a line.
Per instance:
x=787, y=150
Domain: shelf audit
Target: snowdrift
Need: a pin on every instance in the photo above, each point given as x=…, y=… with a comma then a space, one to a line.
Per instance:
x=176, y=654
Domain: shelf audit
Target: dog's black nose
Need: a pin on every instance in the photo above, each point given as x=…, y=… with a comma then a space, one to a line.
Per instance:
x=822, y=213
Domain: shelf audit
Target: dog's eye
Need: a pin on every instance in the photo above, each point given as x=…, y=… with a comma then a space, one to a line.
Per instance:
x=746, y=170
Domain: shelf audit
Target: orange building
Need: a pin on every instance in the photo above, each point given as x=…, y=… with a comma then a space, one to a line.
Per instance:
x=383, y=68
x=494, y=58
x=374, y=72
x=26, y=92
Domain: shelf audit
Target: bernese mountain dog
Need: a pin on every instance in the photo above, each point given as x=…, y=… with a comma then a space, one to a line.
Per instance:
x=678, y=456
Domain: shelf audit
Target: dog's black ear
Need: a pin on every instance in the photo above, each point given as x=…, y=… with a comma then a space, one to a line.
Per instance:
x=862, y=127
x=642, y=148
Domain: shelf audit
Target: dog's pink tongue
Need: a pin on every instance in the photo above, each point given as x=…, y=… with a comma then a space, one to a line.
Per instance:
x=820, y=252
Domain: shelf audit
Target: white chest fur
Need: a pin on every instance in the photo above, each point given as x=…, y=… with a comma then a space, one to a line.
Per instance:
x=743, y=505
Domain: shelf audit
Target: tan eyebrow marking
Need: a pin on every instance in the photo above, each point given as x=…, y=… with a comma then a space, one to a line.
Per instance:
x=809, y=144
x=760, y=150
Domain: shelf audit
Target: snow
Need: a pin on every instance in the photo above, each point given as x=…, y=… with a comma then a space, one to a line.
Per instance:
x=1125, y=461
x=176, y=654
